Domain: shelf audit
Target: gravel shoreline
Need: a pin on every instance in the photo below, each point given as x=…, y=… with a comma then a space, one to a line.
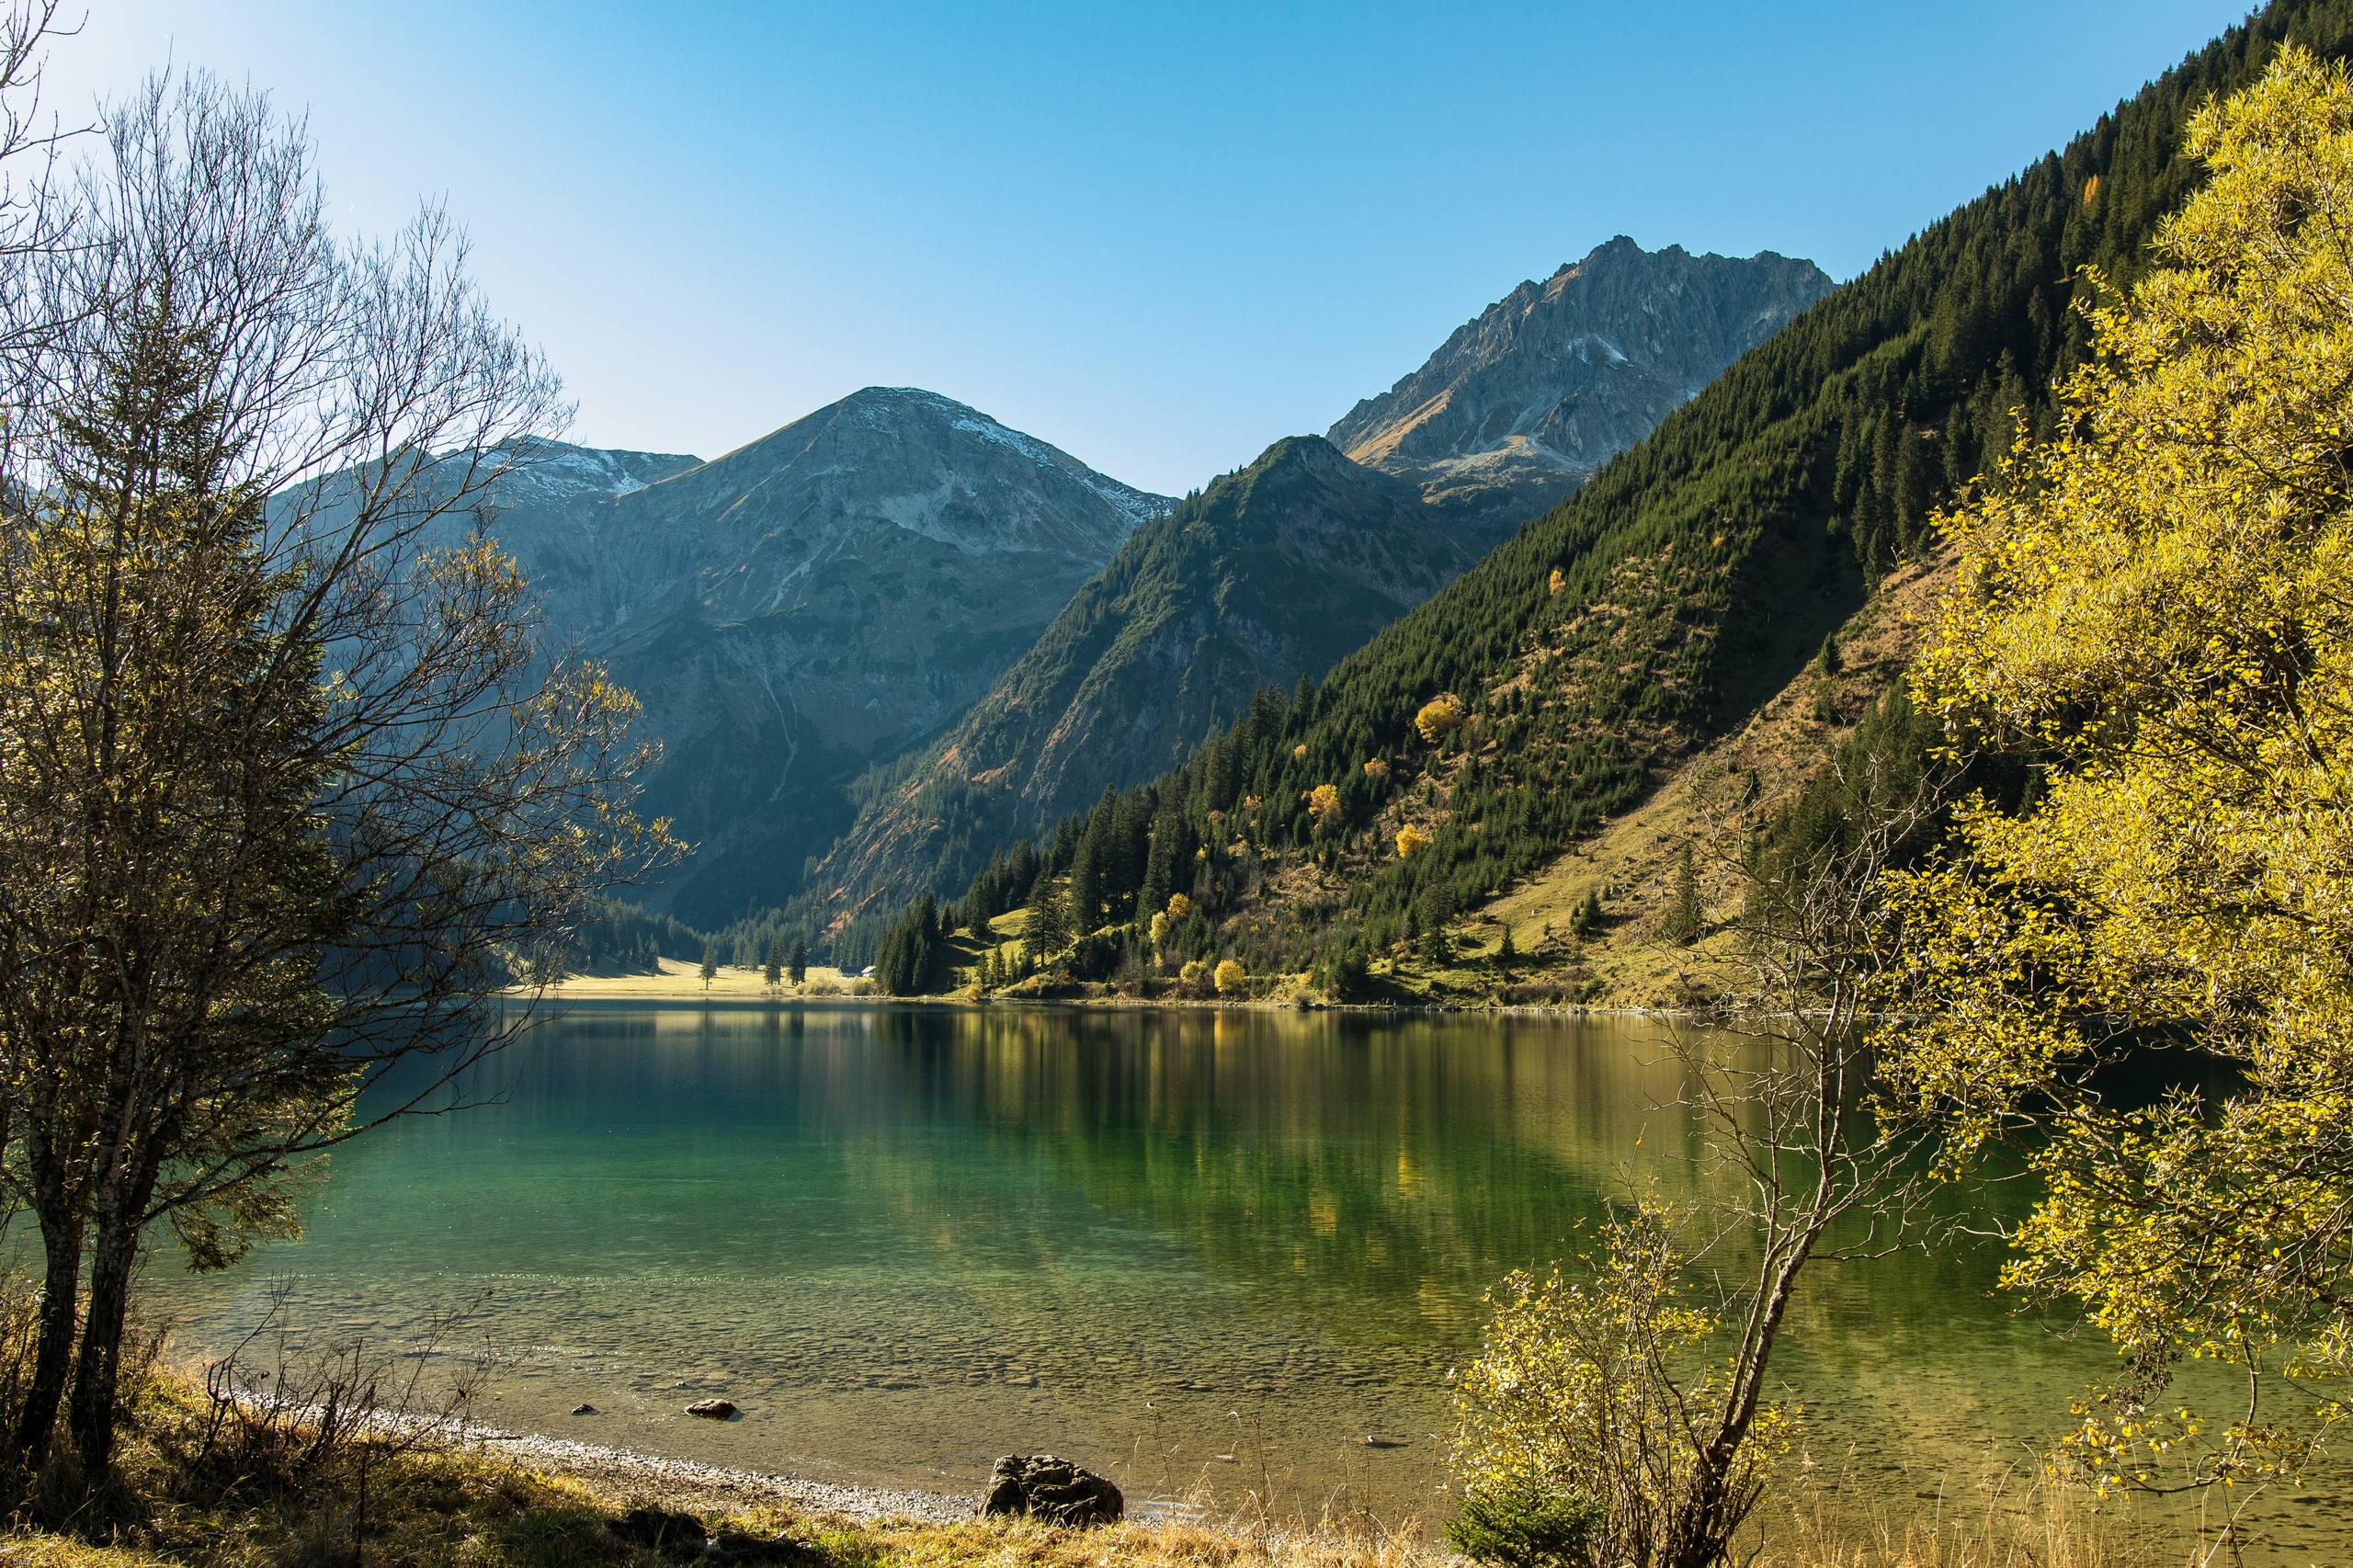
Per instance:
x=629, y=1474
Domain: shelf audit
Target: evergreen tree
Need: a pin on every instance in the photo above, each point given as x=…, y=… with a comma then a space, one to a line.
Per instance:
x=1045, y=934
x=1684, y=915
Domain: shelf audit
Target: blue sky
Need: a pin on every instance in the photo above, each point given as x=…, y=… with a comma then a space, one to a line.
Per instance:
x=1159, y=236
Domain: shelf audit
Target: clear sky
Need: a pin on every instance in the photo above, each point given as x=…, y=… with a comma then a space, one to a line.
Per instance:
x=1157, y=236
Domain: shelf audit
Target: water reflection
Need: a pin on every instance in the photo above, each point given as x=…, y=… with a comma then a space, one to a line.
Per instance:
x=907, y=1239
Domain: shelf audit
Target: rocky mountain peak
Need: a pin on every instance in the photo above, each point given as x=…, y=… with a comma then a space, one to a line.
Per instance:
x=1522, y=402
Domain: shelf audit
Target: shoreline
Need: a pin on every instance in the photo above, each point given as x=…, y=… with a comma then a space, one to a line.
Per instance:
x=624, y=1471
x=679, y=986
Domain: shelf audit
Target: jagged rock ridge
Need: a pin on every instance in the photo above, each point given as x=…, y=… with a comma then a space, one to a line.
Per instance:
x=1523, y=403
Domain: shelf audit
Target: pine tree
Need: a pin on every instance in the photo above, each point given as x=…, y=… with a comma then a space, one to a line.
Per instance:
x=1044, y=934
x=1684, y=916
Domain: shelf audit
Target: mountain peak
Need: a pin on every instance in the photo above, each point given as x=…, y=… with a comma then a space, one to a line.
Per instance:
x=1531, y=395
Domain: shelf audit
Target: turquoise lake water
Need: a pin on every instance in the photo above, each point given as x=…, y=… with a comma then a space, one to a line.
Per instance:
x=1207, y=1252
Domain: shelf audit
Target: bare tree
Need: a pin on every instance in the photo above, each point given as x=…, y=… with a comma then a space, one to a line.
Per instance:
x=289, y=781
x=1793, y=1131
x=1673, y=1336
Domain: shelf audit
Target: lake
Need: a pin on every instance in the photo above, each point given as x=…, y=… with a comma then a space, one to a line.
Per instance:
x=1205, y=1251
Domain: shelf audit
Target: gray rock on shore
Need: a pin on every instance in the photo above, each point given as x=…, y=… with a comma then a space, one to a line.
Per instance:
x=1051, y=1489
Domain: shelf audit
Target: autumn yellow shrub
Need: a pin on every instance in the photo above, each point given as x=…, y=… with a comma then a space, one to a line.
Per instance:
x=1440, y=717
x=1229, y=976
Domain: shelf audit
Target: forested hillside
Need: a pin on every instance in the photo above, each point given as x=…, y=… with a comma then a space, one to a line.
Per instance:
x=1272, y=573
x=1545, y=690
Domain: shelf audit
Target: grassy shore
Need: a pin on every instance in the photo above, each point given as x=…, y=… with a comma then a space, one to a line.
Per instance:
x=268, y=1504
x=682, y=982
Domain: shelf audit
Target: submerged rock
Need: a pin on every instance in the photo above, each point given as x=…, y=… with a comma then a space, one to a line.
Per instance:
x=714, y=1409
x=1051, y=1489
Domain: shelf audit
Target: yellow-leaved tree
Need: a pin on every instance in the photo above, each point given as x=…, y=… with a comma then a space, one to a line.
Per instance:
x=2156, y=605
x=1438, y=718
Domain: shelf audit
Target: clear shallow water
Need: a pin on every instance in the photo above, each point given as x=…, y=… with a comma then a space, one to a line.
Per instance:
x=1197, y=1250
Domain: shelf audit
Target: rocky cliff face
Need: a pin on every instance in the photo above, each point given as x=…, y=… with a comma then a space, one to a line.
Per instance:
x=1271, y=572
x=804, y=608
x=1521, y=404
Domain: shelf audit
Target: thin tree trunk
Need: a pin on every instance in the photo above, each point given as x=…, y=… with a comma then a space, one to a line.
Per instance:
x=98, y=1372
x=53, y=1344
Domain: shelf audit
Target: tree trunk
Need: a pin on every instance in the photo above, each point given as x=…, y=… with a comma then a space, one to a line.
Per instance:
x=53, y=1344
x=97, y=1373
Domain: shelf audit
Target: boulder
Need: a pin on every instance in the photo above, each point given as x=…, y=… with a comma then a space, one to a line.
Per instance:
x=585, y=1410
x=1050, y=1489
x=714, y=1409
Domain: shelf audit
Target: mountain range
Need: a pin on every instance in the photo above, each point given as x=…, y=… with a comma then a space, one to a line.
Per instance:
x=1277, y=569
x=1468, y=805
x=875, y=641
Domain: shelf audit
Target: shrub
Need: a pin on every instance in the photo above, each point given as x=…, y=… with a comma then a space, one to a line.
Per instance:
x=1528, y=1523
x=1229, y=977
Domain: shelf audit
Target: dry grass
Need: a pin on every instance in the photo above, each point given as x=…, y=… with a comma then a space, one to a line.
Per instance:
x=681, y=981
x=455, y=1511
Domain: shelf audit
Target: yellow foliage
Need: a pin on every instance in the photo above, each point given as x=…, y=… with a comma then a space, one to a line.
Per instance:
x=1192, y=972
x=1440, y=717
x=1557, y=583
x=1180, y=907
x=1229, y=976
x=1299, y=751
x=2155, y=601
x=1411, y=841
x=1323, y=801
x=1376, y=768
x=1596, y=1383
